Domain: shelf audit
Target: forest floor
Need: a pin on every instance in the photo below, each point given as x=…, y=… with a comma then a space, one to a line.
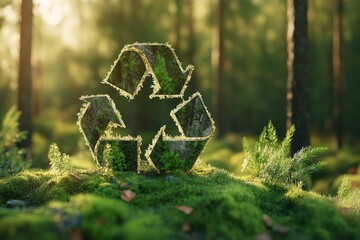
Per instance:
x=207, y=203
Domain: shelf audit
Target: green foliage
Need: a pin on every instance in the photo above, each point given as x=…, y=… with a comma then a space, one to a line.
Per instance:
x=306, y=206
x=270, y=160
x=60, y=162
x=348, y=198
x=114, y=158
x=11, y=157
x=171, y=160
x=344, y=188
x=166, y=82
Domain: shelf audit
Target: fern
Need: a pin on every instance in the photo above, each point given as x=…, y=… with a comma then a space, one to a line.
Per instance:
x=60, y=163
x=344, y=188
x=12, y=158
x=270, y=160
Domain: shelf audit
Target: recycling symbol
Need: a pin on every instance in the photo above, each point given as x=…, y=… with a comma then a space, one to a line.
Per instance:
x=99, y=115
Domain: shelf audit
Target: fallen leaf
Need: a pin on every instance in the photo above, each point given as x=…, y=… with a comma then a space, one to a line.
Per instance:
x=186, y=227
x=75, y=234
x=127, y=195
x=281, y=229
x=263, y=236
x=100, y=222
x=185, y=209
x=75, y=176
x=267, y=220
x=124, y=184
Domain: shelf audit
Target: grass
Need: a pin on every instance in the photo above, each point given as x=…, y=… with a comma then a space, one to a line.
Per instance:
x=88, y=204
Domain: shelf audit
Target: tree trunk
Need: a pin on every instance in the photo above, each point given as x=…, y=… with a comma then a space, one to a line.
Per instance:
x=193, y=86
x=24, y=84
x=177, y=25
x=218, y=65
x=338, y=108
x=297, y=82
x=37, y=42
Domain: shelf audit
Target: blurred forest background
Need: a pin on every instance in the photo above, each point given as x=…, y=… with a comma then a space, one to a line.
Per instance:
x=74, y=43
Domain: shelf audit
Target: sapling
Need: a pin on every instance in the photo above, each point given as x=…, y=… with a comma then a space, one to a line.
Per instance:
x=270, y=160
x=60, y=163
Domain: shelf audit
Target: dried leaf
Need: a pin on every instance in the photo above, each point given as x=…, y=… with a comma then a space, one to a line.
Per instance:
x=263, y=236
x=185, y=209
x=100, y=222
x=124, y=184
x=186, y=227
x=127, y=195
x=75, y=234
x=282, y=229
x=267, y=220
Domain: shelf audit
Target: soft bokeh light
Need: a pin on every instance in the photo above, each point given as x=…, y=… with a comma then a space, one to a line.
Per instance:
x=52, y=11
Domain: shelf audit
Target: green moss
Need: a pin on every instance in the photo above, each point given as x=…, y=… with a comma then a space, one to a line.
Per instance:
x=176, y=155
x=165, y=81
x=224, y=207
x=18, y=186
x=26, y=225
x=118, y=155
x=128, y=72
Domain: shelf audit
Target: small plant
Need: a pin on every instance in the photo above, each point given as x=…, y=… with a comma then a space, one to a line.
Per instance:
x=270, y=159
x=344, y=188
x=114, y=158
x=348, y=198
x=12, y=158
x=60, y=163
x=160, y=70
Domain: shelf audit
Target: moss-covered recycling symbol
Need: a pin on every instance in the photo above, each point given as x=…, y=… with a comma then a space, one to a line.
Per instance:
x=99, y=114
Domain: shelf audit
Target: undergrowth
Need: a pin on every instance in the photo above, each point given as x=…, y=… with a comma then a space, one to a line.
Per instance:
x=12, y=158
x=270, y=160
x=348, y=199
x=60, y=163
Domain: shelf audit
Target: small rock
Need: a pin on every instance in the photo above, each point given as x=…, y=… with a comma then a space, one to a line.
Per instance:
x=69, y=223
x=170, y=178
x=15, y=203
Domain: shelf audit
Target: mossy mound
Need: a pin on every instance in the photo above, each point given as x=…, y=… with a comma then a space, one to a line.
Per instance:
x=88, y=205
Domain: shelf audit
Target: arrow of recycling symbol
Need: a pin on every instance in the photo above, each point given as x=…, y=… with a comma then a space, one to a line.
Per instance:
x=137, y=61
x=166, y=153
x=97, y=117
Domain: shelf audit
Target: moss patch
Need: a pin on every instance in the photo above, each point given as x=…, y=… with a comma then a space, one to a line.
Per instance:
x=165, y=81
x=88, y=203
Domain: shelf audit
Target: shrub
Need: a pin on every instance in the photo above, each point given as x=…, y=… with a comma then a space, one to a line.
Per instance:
x=270, y=159
x=60, y=163
x=12, y=158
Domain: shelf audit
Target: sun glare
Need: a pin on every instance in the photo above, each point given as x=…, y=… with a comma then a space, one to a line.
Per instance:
x=51, y=11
